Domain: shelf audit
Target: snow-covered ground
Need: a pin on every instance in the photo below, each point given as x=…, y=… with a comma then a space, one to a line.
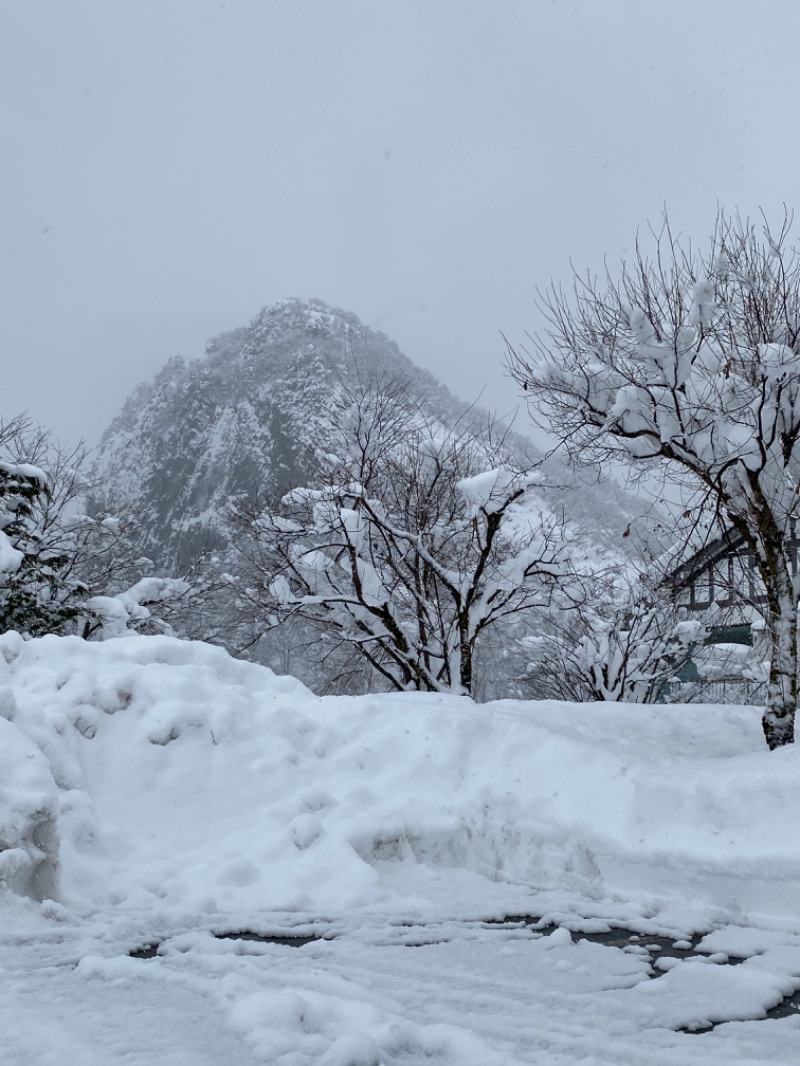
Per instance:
x=156, y=793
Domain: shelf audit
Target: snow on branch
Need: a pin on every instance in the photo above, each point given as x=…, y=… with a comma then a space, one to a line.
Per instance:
x=415, y=539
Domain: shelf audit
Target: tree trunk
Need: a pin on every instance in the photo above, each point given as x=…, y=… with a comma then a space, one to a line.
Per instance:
x=465, y=658
x=781, y=705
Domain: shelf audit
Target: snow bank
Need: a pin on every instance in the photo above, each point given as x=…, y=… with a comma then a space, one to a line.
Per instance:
x=28, y=811
x=190, y=780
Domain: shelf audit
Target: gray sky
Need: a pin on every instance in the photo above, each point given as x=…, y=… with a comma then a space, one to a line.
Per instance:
x=171, y=166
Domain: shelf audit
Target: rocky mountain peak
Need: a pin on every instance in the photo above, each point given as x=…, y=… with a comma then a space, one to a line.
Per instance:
x=243, y=418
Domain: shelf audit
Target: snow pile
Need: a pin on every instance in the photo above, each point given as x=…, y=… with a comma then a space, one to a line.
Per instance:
x=28, y=810
x=198, y=795
x=131, y=608
x=188, y=779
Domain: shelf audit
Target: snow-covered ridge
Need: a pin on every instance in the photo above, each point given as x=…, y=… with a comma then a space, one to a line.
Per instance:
x=186, y=779
x=244, y=419
x=247, y=418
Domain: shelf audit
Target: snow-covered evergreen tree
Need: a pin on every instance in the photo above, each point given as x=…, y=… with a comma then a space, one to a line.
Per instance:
x=39, y=589
x=64, y=570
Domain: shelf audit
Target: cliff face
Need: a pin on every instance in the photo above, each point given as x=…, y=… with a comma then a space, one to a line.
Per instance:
x=243, y=419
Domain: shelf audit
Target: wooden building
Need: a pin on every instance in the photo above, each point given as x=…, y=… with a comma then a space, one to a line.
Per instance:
x=722, y=574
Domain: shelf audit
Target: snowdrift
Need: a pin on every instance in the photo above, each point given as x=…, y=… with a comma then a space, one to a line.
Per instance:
x=162, y=773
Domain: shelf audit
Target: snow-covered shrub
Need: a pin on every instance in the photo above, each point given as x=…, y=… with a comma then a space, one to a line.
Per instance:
x=622, y=644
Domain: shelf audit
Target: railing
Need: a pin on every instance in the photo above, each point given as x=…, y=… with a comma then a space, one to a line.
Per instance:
x=721, y=690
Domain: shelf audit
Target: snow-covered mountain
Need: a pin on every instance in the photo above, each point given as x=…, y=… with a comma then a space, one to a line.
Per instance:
x=243, y=419
x=247, y=416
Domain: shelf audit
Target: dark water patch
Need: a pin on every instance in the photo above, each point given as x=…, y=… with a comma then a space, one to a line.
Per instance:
x=520, y=921
x=789, y=1007
x=289, y=940
x=625, y=938
x=422, y=943
x=146, y=951
x=656, y=948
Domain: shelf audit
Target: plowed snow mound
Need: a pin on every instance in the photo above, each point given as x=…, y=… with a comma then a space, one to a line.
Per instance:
x=194, y=780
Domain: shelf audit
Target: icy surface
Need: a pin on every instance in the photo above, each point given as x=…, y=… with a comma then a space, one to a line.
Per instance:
x=197, y=795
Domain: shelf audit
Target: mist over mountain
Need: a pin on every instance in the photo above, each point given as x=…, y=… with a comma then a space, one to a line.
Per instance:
x=246, y=418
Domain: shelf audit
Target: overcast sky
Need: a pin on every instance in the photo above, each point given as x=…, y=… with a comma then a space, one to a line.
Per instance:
x=171, y=166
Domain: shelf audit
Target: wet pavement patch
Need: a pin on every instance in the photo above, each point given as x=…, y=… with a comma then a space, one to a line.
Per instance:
x=662, y=952
x=146, y=951
x=289, y=940
x=150, y=951
x=659, y=949
x=665, y=953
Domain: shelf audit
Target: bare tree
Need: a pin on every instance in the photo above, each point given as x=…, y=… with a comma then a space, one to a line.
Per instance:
x=411, y=543
x=693, y=359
